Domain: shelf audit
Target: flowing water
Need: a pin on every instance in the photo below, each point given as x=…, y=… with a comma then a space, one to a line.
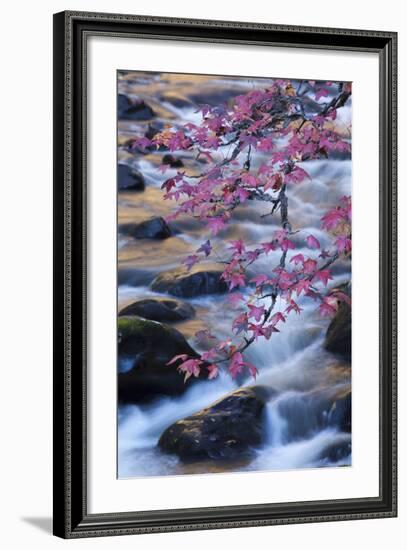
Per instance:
x=293, y=362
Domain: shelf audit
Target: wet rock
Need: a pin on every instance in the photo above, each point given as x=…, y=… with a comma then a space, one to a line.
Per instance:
x=153, y=228
x=228, y=429
x=153, y=129
x=160, y=309
x=131, y=276
x=176, y=100
x=214, y=96
x=340, y=413
x=123, y=103
x=201, y=279
x=148, y=346
x=308, y=413
x=338, y=449
x=129, y=179
x=133, y=110
x=172, y=161
x=339, y=334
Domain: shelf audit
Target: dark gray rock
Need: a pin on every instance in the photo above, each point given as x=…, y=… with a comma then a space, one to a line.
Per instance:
x=153, y=228
x=172, y=161
x=149, y=346
x=316, y=410
x=214, y=96
x=123, y=103
x=129, y=179
x=339, y=334
x=228, y=429
x=340, y=413
x=201, y=279
x=160, y=309
x=175, y=100
x=338, y=449
x=133, y=110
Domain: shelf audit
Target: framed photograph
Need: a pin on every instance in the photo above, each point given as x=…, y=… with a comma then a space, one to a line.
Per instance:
x=225, y=274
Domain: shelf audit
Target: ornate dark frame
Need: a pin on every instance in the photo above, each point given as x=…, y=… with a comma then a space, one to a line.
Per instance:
x=71, y=518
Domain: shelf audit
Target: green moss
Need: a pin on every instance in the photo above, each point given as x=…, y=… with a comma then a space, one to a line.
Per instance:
x=131, y=326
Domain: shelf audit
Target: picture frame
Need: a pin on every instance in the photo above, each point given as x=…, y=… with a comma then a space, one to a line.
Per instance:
x=72, y=518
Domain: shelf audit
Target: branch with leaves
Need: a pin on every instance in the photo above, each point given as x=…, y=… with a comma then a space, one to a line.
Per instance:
x=288, y=127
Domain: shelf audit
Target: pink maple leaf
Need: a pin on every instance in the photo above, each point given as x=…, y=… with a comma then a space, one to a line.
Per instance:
x=206, y=248
x=236, y=364
x=331, y=219
x=191, y=367
x=242, y=194
x=277, y=317
x=213, y=371
x=302, y=286
x=321, y=93
x=326, y=309
x=259, y=279
x=324, y=276
x=190, y=261
x=310, y=266
x=256, y=312
x=287, y=244
x=238, y=246
x=343, y=244
x=240, y=324
x=312, y=242
x=236, y=279
x=297, y=259
x=267, y=247
x=293, y=306
x=181, y=357
x=216, y=224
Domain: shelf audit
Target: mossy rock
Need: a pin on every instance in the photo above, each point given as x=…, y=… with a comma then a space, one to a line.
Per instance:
x=160, y=309
x=149, y=346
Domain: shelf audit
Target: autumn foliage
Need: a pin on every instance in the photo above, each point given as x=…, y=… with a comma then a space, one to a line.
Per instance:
x=290, y=123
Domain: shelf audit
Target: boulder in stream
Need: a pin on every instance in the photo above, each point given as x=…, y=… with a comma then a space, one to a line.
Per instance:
x=149, y=346
x=338, y=449
x=153, y=228
x=203, y=278
x=160, y=309
x=133, y=110
x=310, y=412
x=228, y=429
x=129, y=179
x=172, y=161
x=339, y=334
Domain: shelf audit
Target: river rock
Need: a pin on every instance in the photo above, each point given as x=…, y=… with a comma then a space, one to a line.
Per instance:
x=308, y=413
x=201, y=279
x=172, y=161
x=228, y=429
x=339, y=334
x=153, y=228
x=176, y=100
x=149, y=346
x=336, y=450
x=159, y=309
x=129, y=179
x=340, y=413
x=214, y=95
x=123, y=103
x=133, y=110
